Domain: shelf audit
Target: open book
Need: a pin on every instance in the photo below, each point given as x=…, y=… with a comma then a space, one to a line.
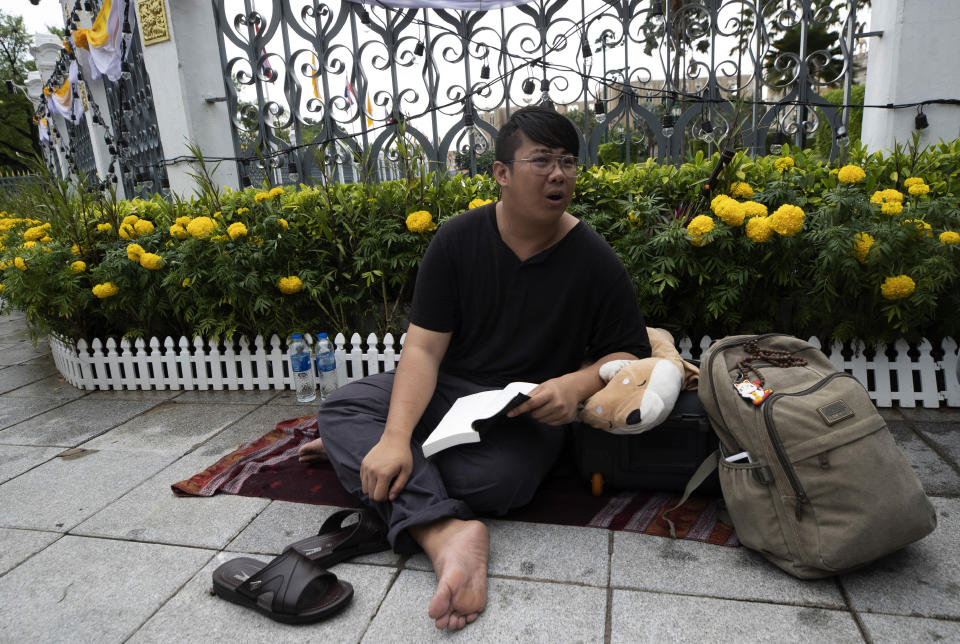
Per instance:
x=471, y=415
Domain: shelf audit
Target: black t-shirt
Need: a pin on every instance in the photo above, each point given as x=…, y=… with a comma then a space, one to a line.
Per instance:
x=524, y=321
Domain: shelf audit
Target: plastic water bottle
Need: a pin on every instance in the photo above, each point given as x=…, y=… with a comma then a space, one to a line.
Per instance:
x=301, y=370
x=326, y=366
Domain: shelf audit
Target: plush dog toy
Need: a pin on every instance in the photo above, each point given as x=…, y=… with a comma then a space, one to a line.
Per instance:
x=640, y=394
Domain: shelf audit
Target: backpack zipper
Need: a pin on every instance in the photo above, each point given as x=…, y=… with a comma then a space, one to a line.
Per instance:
x=778, y=444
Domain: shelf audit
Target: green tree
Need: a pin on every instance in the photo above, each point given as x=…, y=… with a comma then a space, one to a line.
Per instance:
x=17, y=135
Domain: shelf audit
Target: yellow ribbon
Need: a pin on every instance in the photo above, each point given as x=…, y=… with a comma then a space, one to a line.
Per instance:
x=97, y=35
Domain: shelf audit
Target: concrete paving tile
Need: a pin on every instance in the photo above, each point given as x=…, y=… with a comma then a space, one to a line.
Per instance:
x=196, y=615
x=17, y=459
x=282, y=523
x=74, y=422
x=18, y=545
x=648, y=617
x=517, y=611
x=16, y=376
x=61, y=493
x=170, y=427
x=53, y=387
x=23, y=351
x=946, y=436
x=936, y=475
x=890, y=413
x=922, y=579
x=289, y=397
x=254, y=396
x=151, y=512
x=155, y=395
x=285, y=410
x=936, y=415
x=916, y=630
x=542, y=552
x=92, y=590
x=13, y=332
x=651, y=563
x=14, y=410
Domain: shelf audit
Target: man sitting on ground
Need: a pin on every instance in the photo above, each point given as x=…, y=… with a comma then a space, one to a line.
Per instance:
x=519, y=290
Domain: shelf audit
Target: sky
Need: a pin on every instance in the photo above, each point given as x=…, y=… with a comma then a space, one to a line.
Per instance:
x=36, y=18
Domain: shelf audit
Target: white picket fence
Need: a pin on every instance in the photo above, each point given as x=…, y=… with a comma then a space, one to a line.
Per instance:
x=905, y=381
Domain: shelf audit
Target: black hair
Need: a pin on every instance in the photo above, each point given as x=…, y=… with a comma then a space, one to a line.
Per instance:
x=542, y=125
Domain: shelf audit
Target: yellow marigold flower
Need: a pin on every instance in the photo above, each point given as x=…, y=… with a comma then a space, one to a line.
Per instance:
x=134, y=251
x=260, y=196
x=891, y=208
x=5, y=265
x=783, y=164
x=241, y=211
x=29, y=245
x=127, y=231
x=741, y=190
x=290, y=284
x=923, y=228
x=851, y=174
x=33, y=234
x=283, y=222
x=236, y=229
x=19, y=263
x=152, y=261
x=912, y=181
x=107, y=289
x=420, y=221
x=185, y=283
x=476, y=203
x=700, y=225
x=46, y=239
x=217, y=215
x=201, y=226
x=104, y=228
x=861, y=246
x=754, y=209
x=758, y=229
x=897, y=288
x=275, y=192
x=949, y=237
x=919, y=189
x=218, y=238
x=2, y=286
x=182, y=221
x=78, y=266
x=178, y=232
x=130, y=220
x=886, y=196
x=718, y=202
x=787, y=220
x=731, y=212
x=143, y=227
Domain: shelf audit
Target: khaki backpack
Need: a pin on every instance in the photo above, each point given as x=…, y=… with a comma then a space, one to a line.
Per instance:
x=811, y=476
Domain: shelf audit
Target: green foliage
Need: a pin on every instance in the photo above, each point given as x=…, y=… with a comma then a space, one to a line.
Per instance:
x=825, y=135
x=351, y=249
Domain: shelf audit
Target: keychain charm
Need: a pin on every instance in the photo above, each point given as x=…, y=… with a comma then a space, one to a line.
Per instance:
x=752, y=390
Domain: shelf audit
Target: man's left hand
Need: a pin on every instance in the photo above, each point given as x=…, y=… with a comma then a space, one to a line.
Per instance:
x=551, y=403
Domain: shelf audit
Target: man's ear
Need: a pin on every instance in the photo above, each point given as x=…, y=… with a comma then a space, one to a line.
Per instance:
x=501, y=172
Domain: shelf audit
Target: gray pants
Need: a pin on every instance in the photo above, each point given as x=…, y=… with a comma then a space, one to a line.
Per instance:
x=500, y=472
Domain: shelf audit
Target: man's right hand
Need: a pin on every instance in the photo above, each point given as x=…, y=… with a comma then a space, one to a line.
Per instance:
x=386, y=468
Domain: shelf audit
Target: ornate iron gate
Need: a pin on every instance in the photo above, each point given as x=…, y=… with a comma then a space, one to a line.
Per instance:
x=316, y=87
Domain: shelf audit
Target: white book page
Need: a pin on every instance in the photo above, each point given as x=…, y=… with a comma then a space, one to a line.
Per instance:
x=456, y=427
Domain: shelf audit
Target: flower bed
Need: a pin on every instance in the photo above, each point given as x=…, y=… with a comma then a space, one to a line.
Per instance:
x=785, y=243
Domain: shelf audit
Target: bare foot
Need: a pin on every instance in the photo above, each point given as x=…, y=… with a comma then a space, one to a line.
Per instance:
x=313, y=452
x=458, y=550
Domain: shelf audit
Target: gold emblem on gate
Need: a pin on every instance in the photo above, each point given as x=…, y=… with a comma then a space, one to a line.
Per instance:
x=835, y=412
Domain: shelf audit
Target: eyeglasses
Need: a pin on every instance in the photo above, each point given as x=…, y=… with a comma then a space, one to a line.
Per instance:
x=543, y=164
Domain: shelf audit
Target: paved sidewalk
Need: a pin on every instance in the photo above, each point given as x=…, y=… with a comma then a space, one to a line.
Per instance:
x=95, y=547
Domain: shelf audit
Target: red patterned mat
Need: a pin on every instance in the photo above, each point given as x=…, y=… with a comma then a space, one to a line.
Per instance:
x=268, y=468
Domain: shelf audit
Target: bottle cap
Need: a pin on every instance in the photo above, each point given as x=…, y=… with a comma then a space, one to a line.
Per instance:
x=321, y=336
x=296, y=336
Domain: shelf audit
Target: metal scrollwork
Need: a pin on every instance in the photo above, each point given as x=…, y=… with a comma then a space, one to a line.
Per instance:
x=334, y=89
